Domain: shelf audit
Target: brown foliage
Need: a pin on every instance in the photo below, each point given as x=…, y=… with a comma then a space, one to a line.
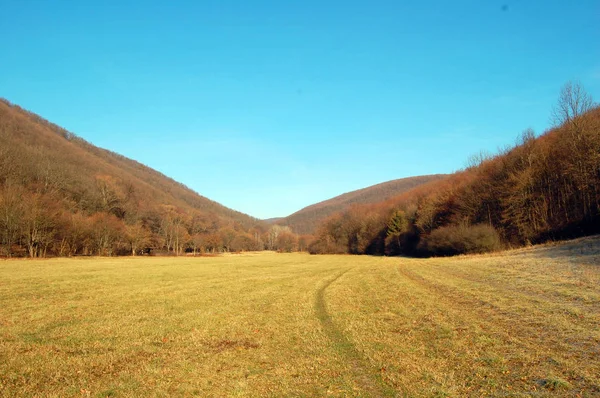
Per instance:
x=60, y=195
x=307, y=220
x=287, y=242
x=544, y=187
x=460, y=239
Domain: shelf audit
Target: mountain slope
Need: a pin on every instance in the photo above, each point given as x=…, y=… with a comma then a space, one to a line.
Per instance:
x=306, y=220
x=543, y=188
x=41, y=160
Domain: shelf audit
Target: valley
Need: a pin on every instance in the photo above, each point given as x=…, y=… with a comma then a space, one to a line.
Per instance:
x=518, y=323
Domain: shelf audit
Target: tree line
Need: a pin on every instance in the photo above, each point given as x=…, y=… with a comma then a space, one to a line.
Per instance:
x=306, y=220
x=37, y=224
x=61, y=196
x=542, y=188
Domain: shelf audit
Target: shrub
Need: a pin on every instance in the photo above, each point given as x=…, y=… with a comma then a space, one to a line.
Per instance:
x=452, y=240
x=325, y=245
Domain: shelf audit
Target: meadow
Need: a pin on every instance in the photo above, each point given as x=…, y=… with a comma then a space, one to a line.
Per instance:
x=518, y=323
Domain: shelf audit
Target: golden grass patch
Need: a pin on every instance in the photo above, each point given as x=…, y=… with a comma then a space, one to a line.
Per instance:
x=518, y=324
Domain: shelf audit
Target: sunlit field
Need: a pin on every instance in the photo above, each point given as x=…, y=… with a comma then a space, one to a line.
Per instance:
x=519, y=323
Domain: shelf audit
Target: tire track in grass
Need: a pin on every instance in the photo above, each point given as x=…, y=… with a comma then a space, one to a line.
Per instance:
x=367, y=377
x=523, y=332
x=549, y=296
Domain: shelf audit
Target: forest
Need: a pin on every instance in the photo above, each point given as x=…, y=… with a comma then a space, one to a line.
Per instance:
x=307, y=220
x=542, y=188
x=62, y=196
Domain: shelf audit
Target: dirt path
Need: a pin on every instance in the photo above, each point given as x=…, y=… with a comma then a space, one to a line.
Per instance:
x=366, y=377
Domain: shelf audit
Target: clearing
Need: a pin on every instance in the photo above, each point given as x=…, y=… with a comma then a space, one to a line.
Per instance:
x=517, y=323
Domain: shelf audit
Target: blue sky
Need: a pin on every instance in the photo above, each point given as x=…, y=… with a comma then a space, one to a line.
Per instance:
x=270, y=106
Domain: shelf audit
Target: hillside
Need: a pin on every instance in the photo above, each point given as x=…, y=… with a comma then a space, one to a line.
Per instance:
x=306, y=220
x=545, y=187
x=54, y=171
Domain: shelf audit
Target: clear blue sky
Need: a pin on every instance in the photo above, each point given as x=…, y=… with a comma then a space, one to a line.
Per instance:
x=269, y=106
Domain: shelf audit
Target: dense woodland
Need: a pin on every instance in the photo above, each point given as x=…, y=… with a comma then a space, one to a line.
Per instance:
x=62, y=196
x=545, y=187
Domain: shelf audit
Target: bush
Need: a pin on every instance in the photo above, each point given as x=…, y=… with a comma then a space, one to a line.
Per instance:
x=452, y=240
x=325, y=245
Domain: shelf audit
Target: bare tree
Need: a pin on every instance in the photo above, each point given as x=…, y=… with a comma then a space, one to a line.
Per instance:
x=478, y=158
x=11, y=214
x=573, y=102
x=273, y=234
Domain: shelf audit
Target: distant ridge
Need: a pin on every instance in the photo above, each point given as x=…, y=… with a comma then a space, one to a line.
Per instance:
x=273, y=220
x=306, y=220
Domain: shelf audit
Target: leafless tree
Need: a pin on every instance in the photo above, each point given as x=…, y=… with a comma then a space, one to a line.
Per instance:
x=573, y=102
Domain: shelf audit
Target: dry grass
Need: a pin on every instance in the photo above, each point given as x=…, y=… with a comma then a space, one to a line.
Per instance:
x=523, y=323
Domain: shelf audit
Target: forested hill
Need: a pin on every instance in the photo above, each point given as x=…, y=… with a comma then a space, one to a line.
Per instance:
x=544, y=187
x=55, y=186
x=306, y=220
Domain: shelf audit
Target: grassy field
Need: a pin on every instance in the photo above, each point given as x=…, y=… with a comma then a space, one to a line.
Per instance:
x=519, y=323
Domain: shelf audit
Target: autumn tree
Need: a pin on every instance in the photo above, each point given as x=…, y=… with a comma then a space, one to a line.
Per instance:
x=257, y=234
x=137, y=237
x=77, y=235
x=273, y=233
x=107, y=233
x=173, y=229
x=213, y=242
x=109, y=195
x=244, y=242
x=228, y=236
x=37, y=225
x=198, y=243
x=286, y=242
x=304, y=242
x=330, y=237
